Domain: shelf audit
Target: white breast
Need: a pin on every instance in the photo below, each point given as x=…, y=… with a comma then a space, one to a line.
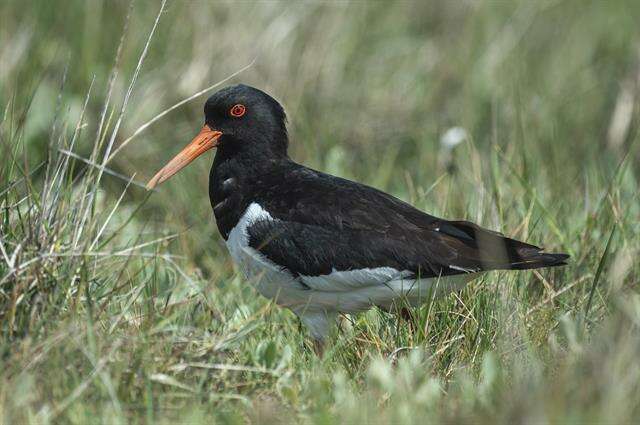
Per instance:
x=269, y=278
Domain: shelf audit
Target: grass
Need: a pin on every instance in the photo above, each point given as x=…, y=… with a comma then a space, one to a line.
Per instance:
x=119, y=305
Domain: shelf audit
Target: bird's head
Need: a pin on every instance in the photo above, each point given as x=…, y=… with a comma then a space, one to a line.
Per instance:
x=239, y=120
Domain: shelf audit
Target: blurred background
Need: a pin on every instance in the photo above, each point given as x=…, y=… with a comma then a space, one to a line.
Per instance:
x=519, y=115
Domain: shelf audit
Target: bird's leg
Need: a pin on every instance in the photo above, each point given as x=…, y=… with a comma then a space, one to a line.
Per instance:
x=405, y=313
x=318, y=324
x=318, y=347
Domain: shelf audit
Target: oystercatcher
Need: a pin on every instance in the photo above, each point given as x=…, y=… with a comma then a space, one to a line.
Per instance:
x=319, y=244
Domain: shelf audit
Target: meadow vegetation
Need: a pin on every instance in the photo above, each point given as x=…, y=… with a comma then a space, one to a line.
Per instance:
x=119, y=305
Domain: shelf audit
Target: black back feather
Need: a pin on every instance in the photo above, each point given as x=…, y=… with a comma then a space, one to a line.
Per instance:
x=321, y=223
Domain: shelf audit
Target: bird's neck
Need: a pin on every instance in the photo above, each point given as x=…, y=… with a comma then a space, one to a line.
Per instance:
x=235, y=180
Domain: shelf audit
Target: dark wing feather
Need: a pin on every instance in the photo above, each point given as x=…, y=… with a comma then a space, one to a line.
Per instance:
x=312, y=250
x=322, y=223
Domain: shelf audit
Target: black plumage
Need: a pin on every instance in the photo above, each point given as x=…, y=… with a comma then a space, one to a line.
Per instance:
x=323, y=223
x=319, y=244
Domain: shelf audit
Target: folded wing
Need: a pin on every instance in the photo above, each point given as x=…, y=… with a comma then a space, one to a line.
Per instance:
x=377, y=237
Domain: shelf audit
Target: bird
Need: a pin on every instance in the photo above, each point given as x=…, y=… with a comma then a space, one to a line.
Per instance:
x=322, y=245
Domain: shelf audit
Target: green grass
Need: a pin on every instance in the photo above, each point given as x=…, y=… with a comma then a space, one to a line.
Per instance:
x=120, y=305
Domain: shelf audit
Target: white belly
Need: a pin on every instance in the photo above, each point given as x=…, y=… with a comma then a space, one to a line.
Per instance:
x=340, y=291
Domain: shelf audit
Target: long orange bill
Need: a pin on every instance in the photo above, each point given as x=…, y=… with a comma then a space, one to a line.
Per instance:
x=205, y=140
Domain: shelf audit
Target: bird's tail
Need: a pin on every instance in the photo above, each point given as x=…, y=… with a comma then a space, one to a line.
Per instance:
x=511, y=254
x=492, y=250
x=531, y=257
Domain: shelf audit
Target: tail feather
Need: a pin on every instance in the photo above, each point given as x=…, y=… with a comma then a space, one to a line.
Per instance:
x=538, y=259
x=495, y=251
x=523, y=256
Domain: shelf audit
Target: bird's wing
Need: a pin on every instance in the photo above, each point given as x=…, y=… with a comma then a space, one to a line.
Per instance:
x=326, y=258
x=323, y=224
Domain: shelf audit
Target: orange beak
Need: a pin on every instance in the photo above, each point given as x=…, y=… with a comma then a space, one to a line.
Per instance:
x=205, y=140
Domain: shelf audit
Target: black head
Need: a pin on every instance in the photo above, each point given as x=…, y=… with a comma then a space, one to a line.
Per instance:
x=249, y=119
x=239, y=121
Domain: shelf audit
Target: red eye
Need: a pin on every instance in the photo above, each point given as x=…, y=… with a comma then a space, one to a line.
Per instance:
x=237, y=110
